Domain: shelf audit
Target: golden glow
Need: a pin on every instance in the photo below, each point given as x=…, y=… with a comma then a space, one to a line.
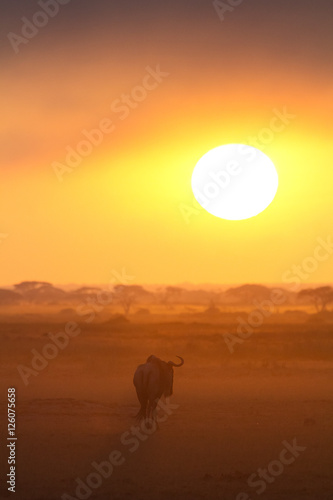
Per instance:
x=130, y=203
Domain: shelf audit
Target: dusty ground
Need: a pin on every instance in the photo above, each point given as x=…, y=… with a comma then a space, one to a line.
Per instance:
x=234, y=411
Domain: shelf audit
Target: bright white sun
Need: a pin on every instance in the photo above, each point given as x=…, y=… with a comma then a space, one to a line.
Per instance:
x=234, y=181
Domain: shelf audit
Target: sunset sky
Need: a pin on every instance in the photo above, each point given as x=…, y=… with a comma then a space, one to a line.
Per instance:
x=123, y=206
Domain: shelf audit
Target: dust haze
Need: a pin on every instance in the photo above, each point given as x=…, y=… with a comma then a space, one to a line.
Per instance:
x=257, y=378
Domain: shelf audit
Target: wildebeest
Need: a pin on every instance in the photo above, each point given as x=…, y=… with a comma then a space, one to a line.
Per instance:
x=152, y=380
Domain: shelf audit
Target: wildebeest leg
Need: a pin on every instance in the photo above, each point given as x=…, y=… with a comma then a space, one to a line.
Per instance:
x=143, y=400
x=154, y=417
x=151, y=414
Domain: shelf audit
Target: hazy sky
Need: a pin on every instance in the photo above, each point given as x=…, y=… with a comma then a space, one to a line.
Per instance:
x=123, y=205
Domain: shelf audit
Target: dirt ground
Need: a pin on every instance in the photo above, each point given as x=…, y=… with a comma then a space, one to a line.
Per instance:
x=230, y=415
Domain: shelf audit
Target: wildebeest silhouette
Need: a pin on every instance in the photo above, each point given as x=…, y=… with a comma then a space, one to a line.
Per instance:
x=153, y=379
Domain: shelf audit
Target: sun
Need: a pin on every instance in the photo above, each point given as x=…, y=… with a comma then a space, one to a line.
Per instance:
x=235, y=181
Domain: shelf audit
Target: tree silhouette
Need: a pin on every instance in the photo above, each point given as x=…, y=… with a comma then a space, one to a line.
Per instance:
x=321, y=296
x=170, y=295
x=9, y=297
x=39, y=291
x=28, y=286
x=126, y=296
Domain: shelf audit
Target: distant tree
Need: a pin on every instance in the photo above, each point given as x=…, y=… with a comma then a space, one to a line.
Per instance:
x=321, y=297
x=162, y=296
x=212, y=309
x=39, y=291
x=84, y=293
x=127, y=295
x=87, y=290
x=215, y=297
x=172, y=294
x=28, y=286
x=9, y=297
x=246, y=294
x=169, y=295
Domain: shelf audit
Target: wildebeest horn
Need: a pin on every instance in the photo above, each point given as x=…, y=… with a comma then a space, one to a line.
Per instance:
x=175, y=364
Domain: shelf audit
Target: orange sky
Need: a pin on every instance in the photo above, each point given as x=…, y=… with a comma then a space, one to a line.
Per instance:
x=124, y=204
